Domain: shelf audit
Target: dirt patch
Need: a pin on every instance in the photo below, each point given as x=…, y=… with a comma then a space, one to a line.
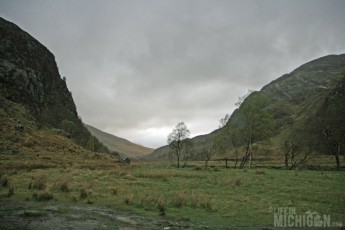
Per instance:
x=61, y=216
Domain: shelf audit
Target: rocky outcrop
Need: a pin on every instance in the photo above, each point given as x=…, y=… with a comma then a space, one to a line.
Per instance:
x=29, y=76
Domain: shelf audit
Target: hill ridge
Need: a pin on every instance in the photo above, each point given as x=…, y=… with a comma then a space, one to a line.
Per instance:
x=119, y=144
x=293, y=96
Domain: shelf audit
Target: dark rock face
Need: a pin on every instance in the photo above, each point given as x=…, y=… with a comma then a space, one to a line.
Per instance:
x=29, y=75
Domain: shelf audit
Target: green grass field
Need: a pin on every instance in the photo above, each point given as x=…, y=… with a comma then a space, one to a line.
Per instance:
x=218, y=197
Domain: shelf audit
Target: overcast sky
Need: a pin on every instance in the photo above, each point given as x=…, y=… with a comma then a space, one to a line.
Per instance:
x=137, y=68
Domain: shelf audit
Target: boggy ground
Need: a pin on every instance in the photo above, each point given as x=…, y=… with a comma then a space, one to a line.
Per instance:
x=76, y=189
x=52, y=215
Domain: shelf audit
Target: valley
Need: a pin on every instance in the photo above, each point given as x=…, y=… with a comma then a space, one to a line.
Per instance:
x=283, y=147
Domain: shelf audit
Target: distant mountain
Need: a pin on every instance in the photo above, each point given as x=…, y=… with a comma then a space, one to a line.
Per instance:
x=294, y=99
x=32, y=92
x=118, y=144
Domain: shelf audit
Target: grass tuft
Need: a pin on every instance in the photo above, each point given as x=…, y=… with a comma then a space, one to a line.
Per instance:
x=40, y=183
x=260, y=171
x=4, y=182
x=161, y=206
x=64, y=187
x=238, y=181
x=85, y=193
x=180, y=199
x=74, y=199
x=10, y=191
x=42, y=196
x=128, y=198
x=207, y=205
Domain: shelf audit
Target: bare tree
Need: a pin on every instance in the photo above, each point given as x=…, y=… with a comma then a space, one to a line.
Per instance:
x=220, y=141
x=329, y=127
x=186, y=151
x=177, y=140
x=333, y=139
x=208, y=153
x=291, y=152
x=255, y=123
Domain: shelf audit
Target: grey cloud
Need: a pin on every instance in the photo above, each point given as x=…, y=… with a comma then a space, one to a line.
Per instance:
x=136, y=68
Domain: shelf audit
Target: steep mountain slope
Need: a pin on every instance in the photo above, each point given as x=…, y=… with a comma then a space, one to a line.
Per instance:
x=293, y=99
x=118, y=144
x=29, y=79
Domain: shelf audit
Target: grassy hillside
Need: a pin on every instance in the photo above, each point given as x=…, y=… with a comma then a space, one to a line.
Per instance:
x=118, y=144
x=293, y=101
x=23, y=146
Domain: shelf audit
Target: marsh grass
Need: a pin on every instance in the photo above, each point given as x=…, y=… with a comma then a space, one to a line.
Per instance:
x=222, y=199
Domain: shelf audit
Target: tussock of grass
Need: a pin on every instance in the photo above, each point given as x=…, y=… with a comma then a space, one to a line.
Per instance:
x=85, y=193
x=180, y=199
x=10, y=191
x=74, y=199
x=128, y=198
x=129, y=177
x=114, y=191
x=39, y=183
x=65, y=187
x=194, y=200
x=260, y=171
x=42, y=196
x=161, y=206
x=238, y=182
x=4, y=182
x=207, y=204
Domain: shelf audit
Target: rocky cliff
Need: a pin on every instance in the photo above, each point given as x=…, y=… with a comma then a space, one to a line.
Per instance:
x=29, y=76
